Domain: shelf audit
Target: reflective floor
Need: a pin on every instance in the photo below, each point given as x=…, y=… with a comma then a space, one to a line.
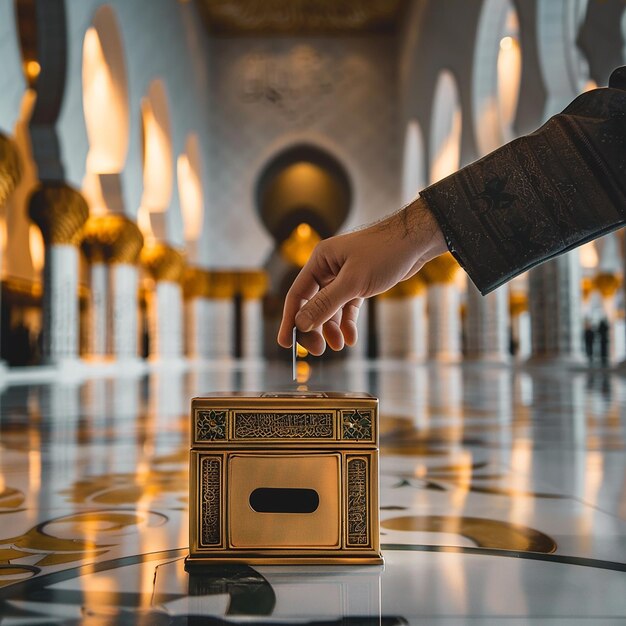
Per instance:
x=503, y=501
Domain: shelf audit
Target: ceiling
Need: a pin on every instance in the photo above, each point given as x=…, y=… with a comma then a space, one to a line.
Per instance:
x=300, y=17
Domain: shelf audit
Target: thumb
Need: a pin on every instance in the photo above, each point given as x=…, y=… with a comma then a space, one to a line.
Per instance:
x=323, y=305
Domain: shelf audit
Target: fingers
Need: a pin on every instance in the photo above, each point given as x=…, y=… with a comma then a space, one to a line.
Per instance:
x=313, y=341
x=323, y=305
x=303, y=288
x=332, y=332
x=349, y=318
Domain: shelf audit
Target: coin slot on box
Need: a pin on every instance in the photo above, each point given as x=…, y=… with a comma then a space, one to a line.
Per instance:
x=278, y=500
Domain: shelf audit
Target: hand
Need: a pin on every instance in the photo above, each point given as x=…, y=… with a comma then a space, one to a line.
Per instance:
x=324, y=300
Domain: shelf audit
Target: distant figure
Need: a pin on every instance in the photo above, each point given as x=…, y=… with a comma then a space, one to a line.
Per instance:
x=590, y=339
x=603, y=335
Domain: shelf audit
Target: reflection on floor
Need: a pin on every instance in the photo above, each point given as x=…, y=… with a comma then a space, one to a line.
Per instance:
x=503, y=500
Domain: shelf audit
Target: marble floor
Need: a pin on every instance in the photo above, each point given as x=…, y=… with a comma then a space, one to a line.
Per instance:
x=503, y=501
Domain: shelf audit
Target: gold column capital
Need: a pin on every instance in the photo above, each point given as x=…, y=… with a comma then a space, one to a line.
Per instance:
x=586, y=287
x=442, y=269
x=518, y=303
x=10, y=167
x=252, y=284
x=196, y=283
x=223, y=283
x=60, y=212
x=162, y=262
x=112, y=238
x=607, y=284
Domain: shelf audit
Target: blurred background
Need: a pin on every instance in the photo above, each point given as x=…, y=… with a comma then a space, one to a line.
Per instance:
x=166, y=168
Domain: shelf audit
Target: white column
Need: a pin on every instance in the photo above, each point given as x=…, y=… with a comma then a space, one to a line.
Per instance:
x=252, y=328
x=487, y=325
x=124, y=313
x=520, y=327
x=555, y=310
x=60, y=304
x=221, y=328
x=166, y=332
x=197, y=329
x=444, y=323
x=401, y=327
x=98, y=326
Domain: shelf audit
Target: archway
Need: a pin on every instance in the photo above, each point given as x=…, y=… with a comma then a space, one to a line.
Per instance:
x=303, y=195
x=497, y=73
x=446, y=127
x=413, y=165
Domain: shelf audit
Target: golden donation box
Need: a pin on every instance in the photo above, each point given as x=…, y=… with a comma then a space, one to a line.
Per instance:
x=284, y=478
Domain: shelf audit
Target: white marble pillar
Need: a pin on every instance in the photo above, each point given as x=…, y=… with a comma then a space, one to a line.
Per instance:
x=444, y=322
x=166, y=330
x=520, y=328
x=221, y=328
x=197, y=329
x=252, y=328
x=60, y=303
x=555, y=310
x=98, y=327
x=401, y=327
x=124, y=313
x=487, y=325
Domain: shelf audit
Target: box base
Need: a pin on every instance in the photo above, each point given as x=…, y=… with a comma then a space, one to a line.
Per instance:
x=195, y=564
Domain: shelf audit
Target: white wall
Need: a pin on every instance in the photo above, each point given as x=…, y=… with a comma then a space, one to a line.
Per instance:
x=267, y=95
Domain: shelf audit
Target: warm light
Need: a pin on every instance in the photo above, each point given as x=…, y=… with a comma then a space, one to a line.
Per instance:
x=590, y=85
x=37, y=248
x=105, y=99
x=304, y=231
x=299, y=246
x=589, y=256
x=32, y=70
x=506, y=43
x=303, y=372
x=301, y=351
x=157, y=168
x=190, y=189
x=446, y=129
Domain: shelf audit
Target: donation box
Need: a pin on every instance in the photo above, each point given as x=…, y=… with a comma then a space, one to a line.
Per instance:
x=284, y=478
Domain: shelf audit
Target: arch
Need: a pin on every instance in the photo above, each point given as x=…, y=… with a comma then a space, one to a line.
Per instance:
x=189, y=177
x=303, y=184
x=105, y=94
x=497, y=73
x=446, y=128
x=564, y=66
x=158, y=169
x=413, y=163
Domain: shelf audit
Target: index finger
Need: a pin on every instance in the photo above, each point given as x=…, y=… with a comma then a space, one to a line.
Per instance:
x=304, y=287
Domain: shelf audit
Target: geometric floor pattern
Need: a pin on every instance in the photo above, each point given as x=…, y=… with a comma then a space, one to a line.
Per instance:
x=503, y=501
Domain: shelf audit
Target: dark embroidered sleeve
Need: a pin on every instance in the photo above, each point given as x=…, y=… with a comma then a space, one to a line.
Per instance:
x=540, y=195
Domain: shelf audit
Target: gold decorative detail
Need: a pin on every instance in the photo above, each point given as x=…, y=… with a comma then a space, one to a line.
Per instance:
x=196, y=283
x=60, y=212
x=358, y=527
x=162, y=262
x=356, y=424
x=252, y=284
x=283, y=425
x=211, y=488
x=485, y=533
x=10, y=167
x=607, y=284
x=21, y=292
x=210, y=425
x=300, y=16
x=518, y=303
x=111, y=239
x=442, y=269
x=223, y=283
